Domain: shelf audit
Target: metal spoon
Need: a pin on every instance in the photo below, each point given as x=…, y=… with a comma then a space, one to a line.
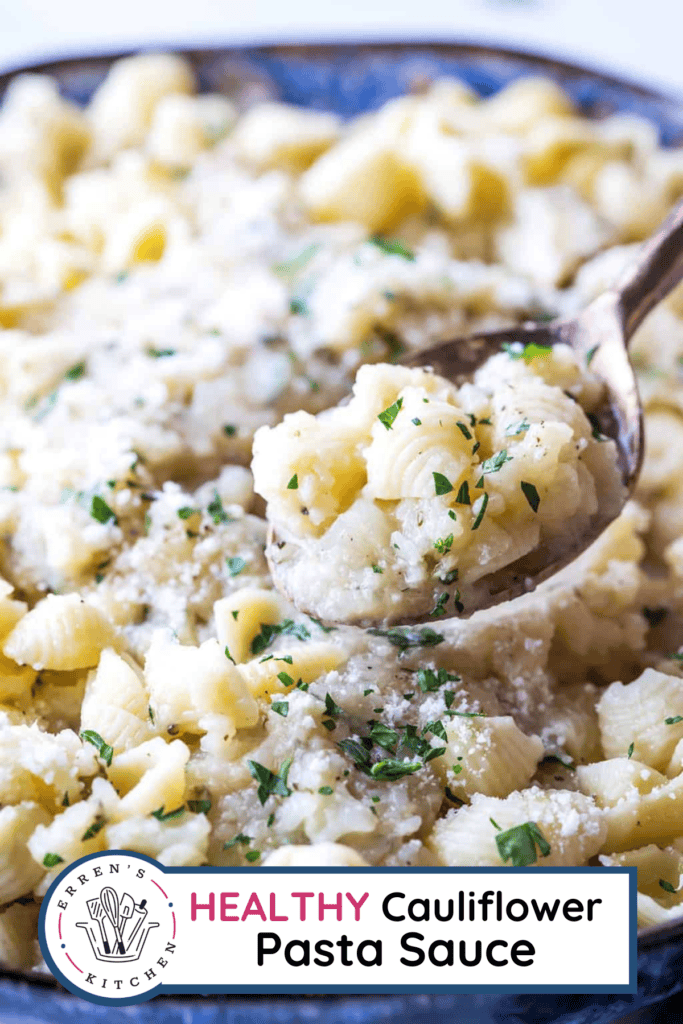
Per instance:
x=600, y=336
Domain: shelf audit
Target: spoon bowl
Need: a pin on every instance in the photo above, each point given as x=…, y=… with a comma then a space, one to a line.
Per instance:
x=599, y=337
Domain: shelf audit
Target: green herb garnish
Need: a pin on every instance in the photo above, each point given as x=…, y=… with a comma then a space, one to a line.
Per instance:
x=389, y=415
x=392, y=247
x=270, y=784
x=441, y=484
x=103, y=749
x=518, y=844
x=100, y=511
x=235, y=565
x=531, y=494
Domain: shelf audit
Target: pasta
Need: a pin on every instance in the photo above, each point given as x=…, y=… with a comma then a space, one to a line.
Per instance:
x=187, y=295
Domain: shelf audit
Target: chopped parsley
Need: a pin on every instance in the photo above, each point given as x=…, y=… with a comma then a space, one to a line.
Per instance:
x=293, y=484
x=217, y=512
x=449, y=578
x=229, y=429
x=51, y=860
x=390, y=769
x=389, y=415
x=270, y=784
x=666, y=886
x=298, y=306
x=513, y=429
x=430, y=680
x=463, y=495
x=673, y=721
x=464, y=431
x=269, y=632
x=377, y=569
x=404, y=638
x=235, y=565
x=103, y=749
x=630, y=751
x=280, y=707
x=240, y=838
x=383, y=736
x=444, y=544
x=199, y=806
x=440, y=606
x=482, y=510
x=494, y=464
x=100, y=511
x=162, y=815
x=590, y=354
x=326, y=791
x=416, y=421
x=392, y=247
x=252, y=855
x=229, y=656
x=532, y=350
x=92, y=831
x=441, y=484
x=160, y=353
x=285, y=679
x=75, y=372
x=186, y=512
x=531, y=494
x=518, y=844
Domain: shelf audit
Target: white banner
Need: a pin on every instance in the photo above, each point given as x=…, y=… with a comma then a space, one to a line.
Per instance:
x=118, y=927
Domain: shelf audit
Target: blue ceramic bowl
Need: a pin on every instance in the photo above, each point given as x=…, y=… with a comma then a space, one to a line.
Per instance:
x=350, y=79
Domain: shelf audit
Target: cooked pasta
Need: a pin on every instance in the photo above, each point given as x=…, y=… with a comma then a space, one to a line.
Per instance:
x=177, y=279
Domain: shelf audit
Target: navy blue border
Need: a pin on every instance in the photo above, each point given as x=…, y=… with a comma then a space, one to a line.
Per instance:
x=630, y=989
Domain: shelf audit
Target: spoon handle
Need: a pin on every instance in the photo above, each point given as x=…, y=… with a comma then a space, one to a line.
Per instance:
x=655, y=273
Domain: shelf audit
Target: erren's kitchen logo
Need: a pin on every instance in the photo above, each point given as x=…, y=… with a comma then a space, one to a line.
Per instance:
x=117, y=928
x=108, y=927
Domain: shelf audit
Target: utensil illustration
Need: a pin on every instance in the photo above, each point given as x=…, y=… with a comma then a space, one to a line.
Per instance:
x=142, y=910
x=96, y=911
x=126, y=911
x=110, y=902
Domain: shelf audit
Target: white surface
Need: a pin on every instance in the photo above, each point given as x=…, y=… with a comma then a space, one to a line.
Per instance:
x=627, y=36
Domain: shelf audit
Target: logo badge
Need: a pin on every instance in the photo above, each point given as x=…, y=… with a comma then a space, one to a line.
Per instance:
x=108, y=927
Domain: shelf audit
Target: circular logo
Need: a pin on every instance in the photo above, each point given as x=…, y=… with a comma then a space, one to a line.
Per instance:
x=108, y=927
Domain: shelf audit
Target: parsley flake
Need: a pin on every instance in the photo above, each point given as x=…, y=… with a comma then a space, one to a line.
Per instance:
x=405, y=638
x=444, y=544
x=280, y=707
x=235, y=565
x=464, y=431
x=389, y=415
x=673, y=721
x=463, y=495
x=103, y=749
x=441, y=484
x=51, y=860
x=269, y=632
x=293, y=484
x=513, y=429
x=217, y=512
x=518, y=844
x=392, y=247
x=199, y=806
x=531, y=494
x=270, y=784
x=186, y=512
x=75, y=372
x=666, y=886
x=482, y=502
x=100, y=511
x=161, y=815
